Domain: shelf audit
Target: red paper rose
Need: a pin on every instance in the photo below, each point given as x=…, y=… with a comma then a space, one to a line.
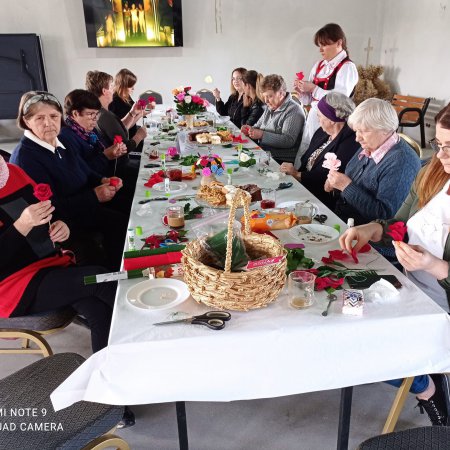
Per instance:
x=328, y=282
x=42, y=192
x=114, y=181
x=151, y=99
x=187, y=88
x=157, y=177
x=300, y=76
x=397, y=231
x=142, y=103
x=117, y=139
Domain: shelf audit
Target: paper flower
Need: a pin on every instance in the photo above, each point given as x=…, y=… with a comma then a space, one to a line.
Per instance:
x=187, y=99
x=117, y=139
x=151, y=99
x=142, y=103
x=322, y=283
x=157, y=177
x=206, y=172
x=397, y=231
x=172, y=151
x=114, y=181
x=331, y=161
x=244, y=157
x=42, y=192
x=300, y=76
x=210, y=164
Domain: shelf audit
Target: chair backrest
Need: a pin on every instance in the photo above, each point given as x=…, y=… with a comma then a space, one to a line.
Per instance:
x=410, y=109
x=158, y=97
x=207, y=95
x=6, y=155
x=412, y=143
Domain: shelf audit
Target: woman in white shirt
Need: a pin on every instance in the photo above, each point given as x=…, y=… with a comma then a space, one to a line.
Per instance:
x=335, y=72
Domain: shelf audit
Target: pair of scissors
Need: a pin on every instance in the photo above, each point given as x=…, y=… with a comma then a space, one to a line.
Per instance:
x=211, y=319
x=321, y=218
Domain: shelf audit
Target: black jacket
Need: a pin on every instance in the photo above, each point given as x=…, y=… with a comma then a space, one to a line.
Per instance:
x=232, y=108
x=344, y=146
x=252, y=113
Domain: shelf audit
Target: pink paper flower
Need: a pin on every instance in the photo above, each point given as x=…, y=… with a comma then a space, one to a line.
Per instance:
x=300, y=76
x=172, y=151
x=331, y=161
x=180, y=97
x=142, y=103
x=206, y=171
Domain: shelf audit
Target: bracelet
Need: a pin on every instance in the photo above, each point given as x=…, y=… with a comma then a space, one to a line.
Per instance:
x=133, y=115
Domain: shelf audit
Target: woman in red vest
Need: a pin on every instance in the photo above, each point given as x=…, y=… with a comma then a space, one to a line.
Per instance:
x=335, y=72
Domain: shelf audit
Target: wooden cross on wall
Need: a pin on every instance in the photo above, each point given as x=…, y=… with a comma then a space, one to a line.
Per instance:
x=368, y=49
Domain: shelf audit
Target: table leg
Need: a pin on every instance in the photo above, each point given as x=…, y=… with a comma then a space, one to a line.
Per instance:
x=345, y=411
x=182, y=425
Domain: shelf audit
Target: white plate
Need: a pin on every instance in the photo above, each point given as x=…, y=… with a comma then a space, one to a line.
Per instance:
x=318, y=234
x=159, y=293
x=174, y=186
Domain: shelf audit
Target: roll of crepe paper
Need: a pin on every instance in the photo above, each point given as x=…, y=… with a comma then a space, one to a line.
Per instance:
x=153, y=251
x=114, y=276
x=152, y=261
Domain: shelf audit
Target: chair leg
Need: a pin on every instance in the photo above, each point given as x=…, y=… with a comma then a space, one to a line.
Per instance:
x=107, y=441
x=26, y=335
x=397, y=405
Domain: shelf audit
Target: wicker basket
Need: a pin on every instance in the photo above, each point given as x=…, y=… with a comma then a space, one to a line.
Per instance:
x=239, y=291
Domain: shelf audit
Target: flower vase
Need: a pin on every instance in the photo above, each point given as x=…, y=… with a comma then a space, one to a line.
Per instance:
x=207, y=180
x=189, y=118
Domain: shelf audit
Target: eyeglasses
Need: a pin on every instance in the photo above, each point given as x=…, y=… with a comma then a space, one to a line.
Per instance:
x=436, y=147
x=92, y=115
x=236, y=79
x=45, y=96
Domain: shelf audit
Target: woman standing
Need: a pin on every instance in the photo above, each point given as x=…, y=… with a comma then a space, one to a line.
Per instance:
x=335, y=72
x=252, y=104
x=333, y=136
x=233, y=106
x=424, y=251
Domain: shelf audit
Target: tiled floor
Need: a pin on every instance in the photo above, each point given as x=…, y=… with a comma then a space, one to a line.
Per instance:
x=306, y=422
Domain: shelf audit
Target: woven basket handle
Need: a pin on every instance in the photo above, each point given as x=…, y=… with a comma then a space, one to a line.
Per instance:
x=240, y=198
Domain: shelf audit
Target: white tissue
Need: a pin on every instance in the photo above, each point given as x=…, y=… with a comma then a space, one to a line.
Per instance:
x=381, y=292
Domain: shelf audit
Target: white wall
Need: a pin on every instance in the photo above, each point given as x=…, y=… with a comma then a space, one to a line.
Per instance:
x=415, y=40
x=272, y=36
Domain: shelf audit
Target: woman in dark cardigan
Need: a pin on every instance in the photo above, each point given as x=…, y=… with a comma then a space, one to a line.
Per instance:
x=233, y=106
x=334, y=136
x=253, y=105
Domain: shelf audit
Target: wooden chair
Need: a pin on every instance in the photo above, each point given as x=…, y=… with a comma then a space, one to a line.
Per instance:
x=411, y=112
x=33, y=328
x=207, y=95
x=412, y=143
x=158, y=97
x=81, y=426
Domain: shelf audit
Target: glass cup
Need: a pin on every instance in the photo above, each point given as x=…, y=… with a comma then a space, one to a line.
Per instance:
x=154, y=153
x=305, y=212
x=175, y=217
x=152, y=127
x=165, y=126
x=175, y=173
x=301, y=289
x=264, y=158
x=268, y=198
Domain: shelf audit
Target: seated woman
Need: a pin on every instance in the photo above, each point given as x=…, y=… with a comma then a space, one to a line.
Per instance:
x=34, y=275
x=377, y=179
x=101, y=85
x=82, y=110
x=79, y=194
x=426, y=255
x=122, y=103
x=252, y=105
x=333, y=136
x=279, y=128
x=233, y=106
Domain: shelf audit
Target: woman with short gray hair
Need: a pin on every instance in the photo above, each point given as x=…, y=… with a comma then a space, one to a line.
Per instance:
x=333, y=136
x=280, y=127
x=378, y=178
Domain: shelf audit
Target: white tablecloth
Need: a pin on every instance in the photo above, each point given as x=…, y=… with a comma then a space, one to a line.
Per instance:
x=270, y=352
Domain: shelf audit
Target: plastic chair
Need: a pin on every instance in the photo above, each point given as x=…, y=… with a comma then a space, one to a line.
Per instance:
x=33, y=328
x=158, y=97
x=207, y=95
x=80, y=426
x=424, y=438
x=412, y=143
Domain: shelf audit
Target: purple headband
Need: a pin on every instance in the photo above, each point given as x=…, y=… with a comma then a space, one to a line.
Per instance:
x=328, y=111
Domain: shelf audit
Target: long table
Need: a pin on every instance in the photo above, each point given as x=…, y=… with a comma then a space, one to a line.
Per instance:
x=269, y=352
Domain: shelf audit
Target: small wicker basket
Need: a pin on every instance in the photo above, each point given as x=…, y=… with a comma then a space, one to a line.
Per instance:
x=238, y=291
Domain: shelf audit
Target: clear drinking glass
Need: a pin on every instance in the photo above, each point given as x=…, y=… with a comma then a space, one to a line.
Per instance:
x=301, y=289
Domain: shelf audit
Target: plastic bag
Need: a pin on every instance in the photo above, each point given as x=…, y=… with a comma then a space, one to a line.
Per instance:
x=212, y=235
